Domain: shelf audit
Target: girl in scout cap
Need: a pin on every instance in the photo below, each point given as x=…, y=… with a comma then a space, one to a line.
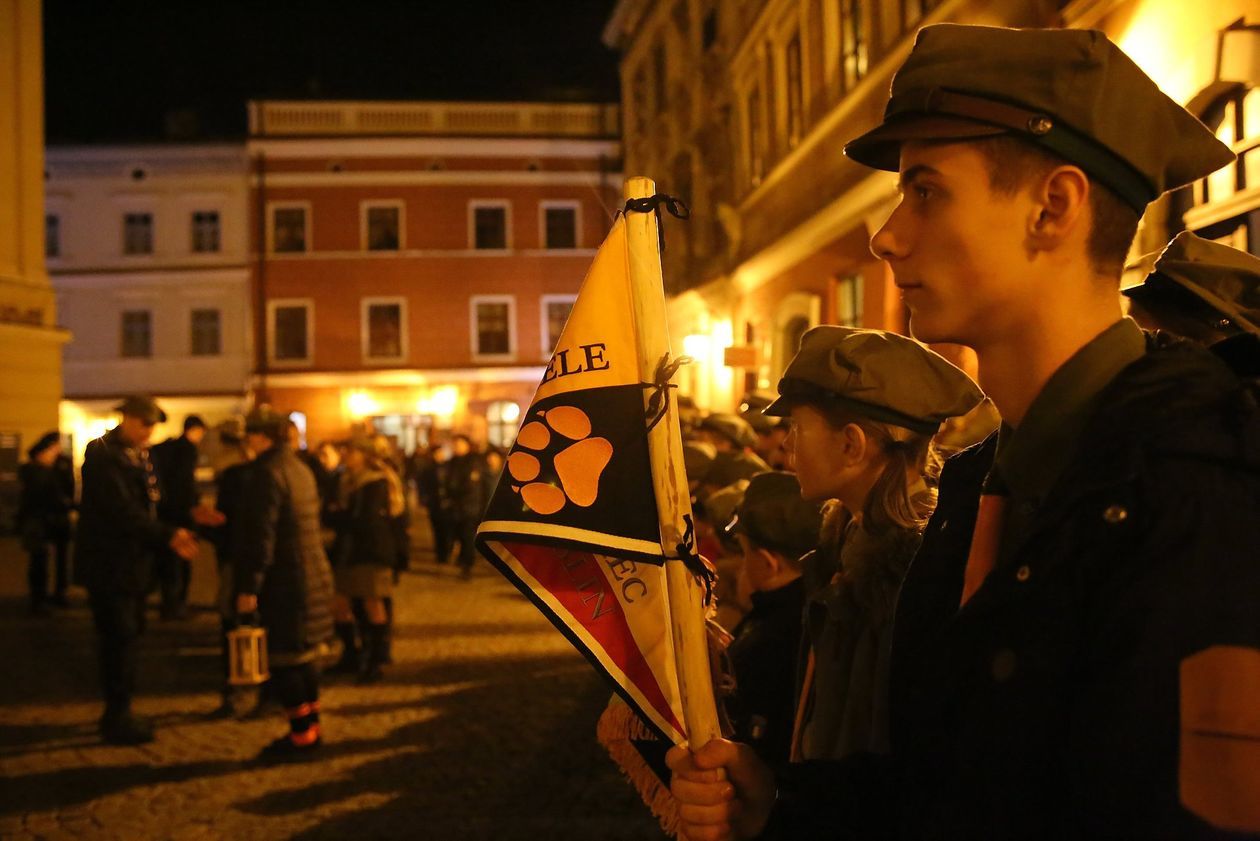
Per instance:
x=865, y=406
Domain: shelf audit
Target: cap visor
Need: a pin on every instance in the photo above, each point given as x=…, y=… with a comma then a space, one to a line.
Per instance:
x=880, y=148
x=780, y=408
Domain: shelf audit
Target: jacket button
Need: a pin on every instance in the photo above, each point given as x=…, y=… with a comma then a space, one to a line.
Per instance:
x=1023, y=573
x=1003, y=666
x=1115, y=514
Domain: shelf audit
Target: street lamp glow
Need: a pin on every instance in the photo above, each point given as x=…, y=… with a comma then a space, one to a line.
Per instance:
x=361, y=404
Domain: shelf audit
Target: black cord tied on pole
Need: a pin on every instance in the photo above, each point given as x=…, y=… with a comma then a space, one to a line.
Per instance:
x=695, y=563
x=676, y=207
x=658, y=405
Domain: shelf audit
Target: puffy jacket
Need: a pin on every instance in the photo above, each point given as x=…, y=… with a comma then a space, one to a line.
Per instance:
x=279, y=554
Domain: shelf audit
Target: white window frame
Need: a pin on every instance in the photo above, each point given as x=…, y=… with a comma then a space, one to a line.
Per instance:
x=510, y=300
x=365, y=305
x=560, y=204
x=272, y=207
x=204, y=207
x=543, y=303
x=272, y=306
x=473, y=205
x=139, y=210
x=368, y=204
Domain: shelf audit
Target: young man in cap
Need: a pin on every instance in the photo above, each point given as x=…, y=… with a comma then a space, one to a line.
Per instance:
x=119, y=532
x=733, y=439
x=1206, y=292
x=1075, y=651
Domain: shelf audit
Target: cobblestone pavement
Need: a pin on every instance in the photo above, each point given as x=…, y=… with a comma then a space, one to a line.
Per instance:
x=484, y=729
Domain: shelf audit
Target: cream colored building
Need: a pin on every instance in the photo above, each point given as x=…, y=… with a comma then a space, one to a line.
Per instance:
x=30, y=341
x=743, y=108
x=148, y=248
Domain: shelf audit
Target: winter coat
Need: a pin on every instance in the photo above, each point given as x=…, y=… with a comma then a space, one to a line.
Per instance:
x=365, y=530
x=44, y=509
x=279, y=555
x=1049, y=706
x=175, y=462
x=119, y=529
x=763, y=657
x=849, y=607
x=469, y=486
x=229, y=496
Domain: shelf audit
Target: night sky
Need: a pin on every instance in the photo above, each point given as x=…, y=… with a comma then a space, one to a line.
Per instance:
x=180, y=70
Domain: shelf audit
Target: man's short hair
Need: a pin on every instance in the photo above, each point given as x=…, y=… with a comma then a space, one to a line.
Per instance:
x=193, y=422
x=1014, y=162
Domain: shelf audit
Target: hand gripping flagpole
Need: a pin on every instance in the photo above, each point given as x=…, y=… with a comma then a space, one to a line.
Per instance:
x=669, y=478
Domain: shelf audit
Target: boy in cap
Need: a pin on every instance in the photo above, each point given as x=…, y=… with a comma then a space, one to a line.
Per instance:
x=1208, y=293
x=119, y=532
x=733, y=439
x=1075, y=649
x=775, y=528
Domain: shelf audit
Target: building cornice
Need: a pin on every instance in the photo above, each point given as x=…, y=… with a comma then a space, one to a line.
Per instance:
x=426, y=178
x=409, y=147
x=399, y=377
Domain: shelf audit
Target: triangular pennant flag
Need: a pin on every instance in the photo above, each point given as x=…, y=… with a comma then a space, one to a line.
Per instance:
x=574, y=521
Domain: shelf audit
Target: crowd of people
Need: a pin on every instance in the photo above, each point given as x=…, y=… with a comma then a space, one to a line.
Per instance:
x=1031, y=614
x=309, y=545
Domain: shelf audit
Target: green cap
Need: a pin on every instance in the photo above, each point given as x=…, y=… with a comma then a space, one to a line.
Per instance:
x=1070, y=91
x=732, y=427
x=142, y=406
x=697, y=456
x=1225, y=279
x=774, y=516
x=879, y=375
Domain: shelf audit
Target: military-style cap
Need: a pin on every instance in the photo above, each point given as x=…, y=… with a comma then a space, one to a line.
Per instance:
x=1070, y=91
x=697, y=456
x=143, y=407
x=265, y=421
x=878, y=375
x=719, y=507
x=232, y=430
x=731, y=427
x=773, y=515
x=1224, y=279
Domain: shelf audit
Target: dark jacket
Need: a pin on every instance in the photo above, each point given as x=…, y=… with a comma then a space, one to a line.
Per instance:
x=366, y=534
x=44, y=509
x=851, y=595
x=279, y=554
x=118, y=524
x=229, y=498
x=1049, y=705
x=175, y=462
x=763, y=657
x=469, y=486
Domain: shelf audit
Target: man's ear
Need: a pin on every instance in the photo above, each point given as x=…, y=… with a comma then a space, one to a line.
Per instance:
x=772, y=561
x=1059, y=207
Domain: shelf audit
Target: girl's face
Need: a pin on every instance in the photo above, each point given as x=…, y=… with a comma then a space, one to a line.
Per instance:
x=830, y=463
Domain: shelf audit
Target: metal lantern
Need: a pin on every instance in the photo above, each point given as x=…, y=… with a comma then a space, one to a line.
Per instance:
x=247, y=656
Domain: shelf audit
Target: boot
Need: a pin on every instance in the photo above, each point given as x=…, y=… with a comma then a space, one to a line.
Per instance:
x=349, y=662
x=375, y=643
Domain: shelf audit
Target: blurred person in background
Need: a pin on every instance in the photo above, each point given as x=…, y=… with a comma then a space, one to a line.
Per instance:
x=119, y=532
x=433, y=488
x=230, y=486
x=175, y=463
x=469, y=486
x=282, y=577
x=43, y=520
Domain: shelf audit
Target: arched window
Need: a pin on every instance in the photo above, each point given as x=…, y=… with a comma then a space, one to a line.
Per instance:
x=1225, y=206
x=502, y=417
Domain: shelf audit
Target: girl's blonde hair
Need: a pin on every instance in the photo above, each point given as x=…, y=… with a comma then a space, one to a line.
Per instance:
x=904, y=495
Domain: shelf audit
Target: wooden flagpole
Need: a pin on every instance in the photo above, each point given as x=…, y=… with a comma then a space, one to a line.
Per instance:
x=669, y=478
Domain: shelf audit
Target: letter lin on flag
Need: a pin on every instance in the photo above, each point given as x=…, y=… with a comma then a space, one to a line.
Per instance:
x=575, y=522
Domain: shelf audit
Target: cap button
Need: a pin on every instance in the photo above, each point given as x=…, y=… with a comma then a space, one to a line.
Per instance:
x=1040, y=125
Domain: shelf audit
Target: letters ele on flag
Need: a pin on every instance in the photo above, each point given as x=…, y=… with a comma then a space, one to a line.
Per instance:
x=573, y=522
